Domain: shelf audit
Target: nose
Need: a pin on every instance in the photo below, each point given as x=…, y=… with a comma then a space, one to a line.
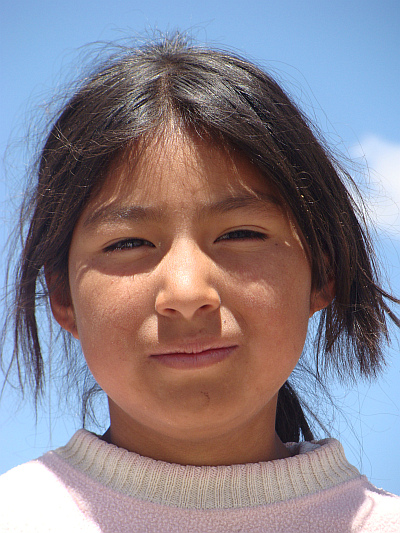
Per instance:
x=186, y=289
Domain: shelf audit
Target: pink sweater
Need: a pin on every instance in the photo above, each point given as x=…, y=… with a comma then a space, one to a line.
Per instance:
x=91, y=486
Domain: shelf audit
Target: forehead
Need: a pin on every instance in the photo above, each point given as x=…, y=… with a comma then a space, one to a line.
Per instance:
x=182, y=167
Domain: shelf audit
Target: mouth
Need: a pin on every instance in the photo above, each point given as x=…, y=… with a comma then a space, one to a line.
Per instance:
x=194, y=356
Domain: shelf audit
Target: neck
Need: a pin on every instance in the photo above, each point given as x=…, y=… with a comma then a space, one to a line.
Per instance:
x=251, y=444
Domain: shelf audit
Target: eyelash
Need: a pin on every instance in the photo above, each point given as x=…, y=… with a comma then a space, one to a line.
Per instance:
x=128, y=244
x=240, y=234
x=243, y=234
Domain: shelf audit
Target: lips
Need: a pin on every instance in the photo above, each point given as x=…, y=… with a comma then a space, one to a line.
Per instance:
x=194, y=356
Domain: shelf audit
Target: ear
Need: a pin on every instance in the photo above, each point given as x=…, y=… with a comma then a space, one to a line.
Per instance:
x=323, y=297
x=61, y=303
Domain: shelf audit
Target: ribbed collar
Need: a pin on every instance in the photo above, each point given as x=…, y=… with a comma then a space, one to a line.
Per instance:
x=315, y=467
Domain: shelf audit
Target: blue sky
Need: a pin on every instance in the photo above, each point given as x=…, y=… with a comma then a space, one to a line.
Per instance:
x=339, y=60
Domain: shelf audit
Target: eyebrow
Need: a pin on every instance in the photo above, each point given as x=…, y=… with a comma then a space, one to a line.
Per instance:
x=259, y=200
x=116, y=213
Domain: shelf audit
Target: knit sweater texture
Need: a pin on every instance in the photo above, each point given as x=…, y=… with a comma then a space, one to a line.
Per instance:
x=91, y=486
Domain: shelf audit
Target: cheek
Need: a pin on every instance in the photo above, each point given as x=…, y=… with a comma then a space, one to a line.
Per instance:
x=108, y=310
x=275, y=302
x=280, y=284
x=111, y=315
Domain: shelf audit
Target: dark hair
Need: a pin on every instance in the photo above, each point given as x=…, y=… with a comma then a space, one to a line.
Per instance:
x=222, y=96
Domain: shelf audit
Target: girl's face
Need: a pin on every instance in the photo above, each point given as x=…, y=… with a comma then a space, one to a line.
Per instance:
x=190, y=294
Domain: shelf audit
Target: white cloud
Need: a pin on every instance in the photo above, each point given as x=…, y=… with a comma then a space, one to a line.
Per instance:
x=383, y=160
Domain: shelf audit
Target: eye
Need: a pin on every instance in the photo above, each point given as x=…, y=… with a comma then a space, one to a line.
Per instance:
x=242, y=235
x=128, y=244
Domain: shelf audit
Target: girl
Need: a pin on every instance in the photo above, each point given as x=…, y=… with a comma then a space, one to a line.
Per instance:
x=188, y=224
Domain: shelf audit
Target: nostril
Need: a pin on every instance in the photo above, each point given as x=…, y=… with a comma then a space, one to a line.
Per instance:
x=170, y=311
x=206, y=307
x=188, y=306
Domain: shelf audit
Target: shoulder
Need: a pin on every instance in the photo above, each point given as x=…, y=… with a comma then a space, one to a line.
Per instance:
x=361, y=505
x=29, y=477
x=378, y=511
x=341, y=497
x=33, y=498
